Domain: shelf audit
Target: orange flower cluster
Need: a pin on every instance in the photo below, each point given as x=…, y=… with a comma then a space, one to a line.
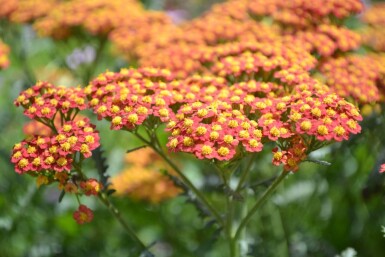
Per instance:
x=44, y=101
x=374, y=35
x=55, y=153
x=353, y=76
x=374, y=15
x=134, y=35
x=220, y=117
x=302, y=13
x=23, y=11
x=243, y=120
x=142, y=180
x=313, y=22
x=4, y=51
x=224, y=23
x=379, y=60
x=272, y=61
x=98, y=17
x=127, y=98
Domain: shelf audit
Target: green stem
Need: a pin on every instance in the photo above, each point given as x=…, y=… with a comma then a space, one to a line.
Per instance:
x=102, y=196
x=185, y=180
x=115, y=212
x=244, y=175
x=260, y=201
x=229, y=210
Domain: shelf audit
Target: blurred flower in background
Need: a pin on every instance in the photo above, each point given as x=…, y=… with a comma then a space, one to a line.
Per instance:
x=141, y=178
x=81, y=56
x=4, y=59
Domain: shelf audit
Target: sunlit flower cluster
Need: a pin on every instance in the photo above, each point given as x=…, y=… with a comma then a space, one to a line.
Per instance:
x=353, y=76
x=374, y=35
x=4, y=51
x=23, y=11
x=98, y=17
x=303, y=13
x=141, y=178
x=379, y=60
x=44, y=101
x=313, y=22
x=327, y=39
x=240, y=118
x=268, y=61
x=54, y=150
x=374, y=15
x=128, y=97
x=134, y=35
x=56, y=153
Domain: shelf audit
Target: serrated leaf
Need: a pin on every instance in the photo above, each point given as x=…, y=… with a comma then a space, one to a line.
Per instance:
x=110, y=191
x=101, y=166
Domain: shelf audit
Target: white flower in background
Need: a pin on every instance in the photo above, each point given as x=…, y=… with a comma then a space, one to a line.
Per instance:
x=81, y=56
x=349, y=252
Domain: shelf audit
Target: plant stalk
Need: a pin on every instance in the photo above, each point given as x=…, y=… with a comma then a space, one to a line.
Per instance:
x=260, y=201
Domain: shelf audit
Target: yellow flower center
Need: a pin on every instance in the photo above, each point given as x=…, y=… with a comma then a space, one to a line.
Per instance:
x=339, y=130
x=115, y=121
x=23, y=163
x=228, y=139
x=206, y=150
x=67, y=128
x=214, y=135
x=322, y=130
x=173, y=143
x=223, y=151
x=201, y=130
x=275, y=132
x=188, y=141
x=306, y=125
x=133, y=118
x=244, y=134
x=61, y=161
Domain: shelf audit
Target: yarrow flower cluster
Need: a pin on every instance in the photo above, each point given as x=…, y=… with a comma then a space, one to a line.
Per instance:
x=312, y=22
x=373, y=34
x=4, y=51
x=24, y=11
x=353, y=76
x=56, y=153
x=302, y=12
x=135, y=36
x=44, y=101
x=301, y=122
x=128, y=97
x=98, y=17
x=141, y=179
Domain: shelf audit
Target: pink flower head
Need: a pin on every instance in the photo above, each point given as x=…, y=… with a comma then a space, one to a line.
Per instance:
x=382, y=168
x=83, y=215
x=91, y=186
